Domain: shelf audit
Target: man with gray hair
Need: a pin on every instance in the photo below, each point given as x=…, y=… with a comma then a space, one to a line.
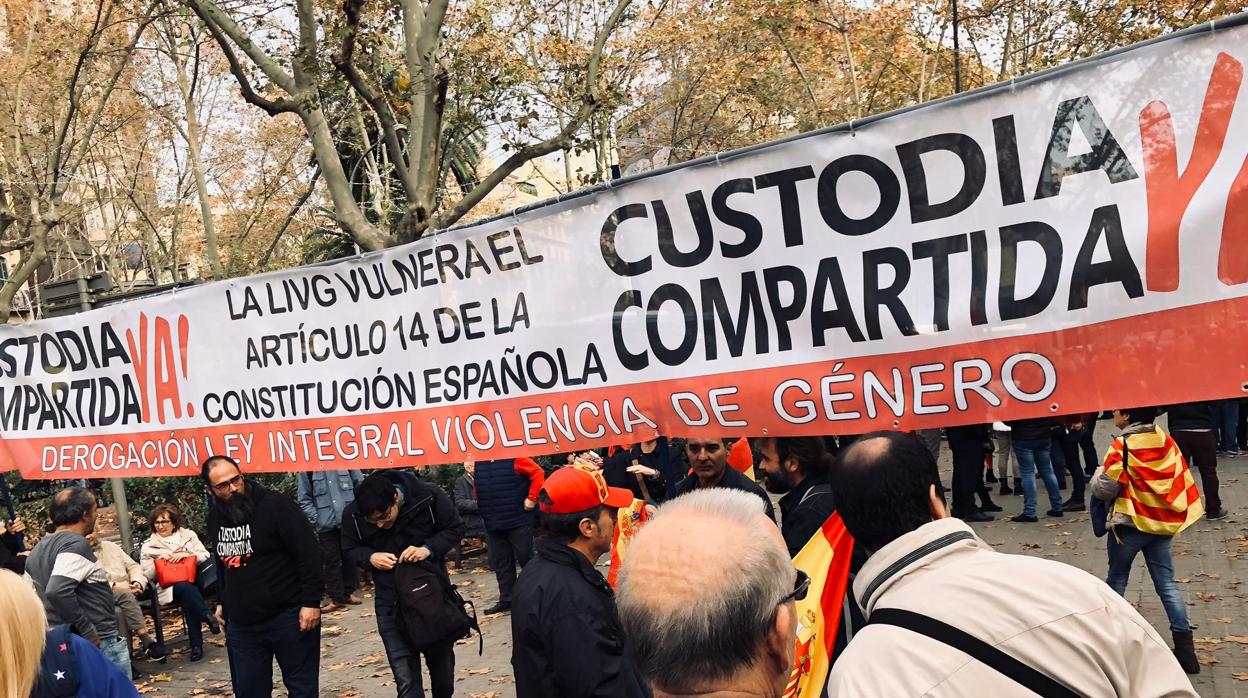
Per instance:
x=706, y=597
x=72, y=583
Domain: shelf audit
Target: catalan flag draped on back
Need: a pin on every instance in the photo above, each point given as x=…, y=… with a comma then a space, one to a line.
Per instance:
x=1159, y=494
x=826, y=560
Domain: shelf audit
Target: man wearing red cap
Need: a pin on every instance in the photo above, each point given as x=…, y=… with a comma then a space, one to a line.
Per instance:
x=566, y=636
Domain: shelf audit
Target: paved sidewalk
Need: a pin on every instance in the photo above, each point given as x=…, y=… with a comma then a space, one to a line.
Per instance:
x=1211, y=562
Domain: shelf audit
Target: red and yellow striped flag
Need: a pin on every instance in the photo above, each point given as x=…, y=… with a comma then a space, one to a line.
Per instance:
x=826, y=560
x=627, y=524
x=741, y=458
x=1159, y=492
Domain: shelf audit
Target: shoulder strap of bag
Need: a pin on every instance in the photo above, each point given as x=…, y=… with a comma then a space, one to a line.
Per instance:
x=1033, y=680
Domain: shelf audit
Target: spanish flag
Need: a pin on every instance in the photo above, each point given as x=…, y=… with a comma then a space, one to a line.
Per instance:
x=630, y=520
x=741, y=458
x=1158, y=491
x=826, y=560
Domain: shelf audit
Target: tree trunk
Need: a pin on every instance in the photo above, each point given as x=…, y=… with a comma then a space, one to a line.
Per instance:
x=347, y=212
x=212, y=249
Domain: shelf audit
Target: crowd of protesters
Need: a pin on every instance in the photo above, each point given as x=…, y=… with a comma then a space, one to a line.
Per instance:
x=704, y=597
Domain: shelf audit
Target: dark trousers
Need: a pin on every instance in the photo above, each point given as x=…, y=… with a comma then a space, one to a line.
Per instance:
x=194, y=611
x=1070, y=459
x=341, y=580
x=405, y=662
x=967, y=448
x=1226, y=415
x=1087, y=443
x=505, y=549
x=1201, y=451
x=252, y=649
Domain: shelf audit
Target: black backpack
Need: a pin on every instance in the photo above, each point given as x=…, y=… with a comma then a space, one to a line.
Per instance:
x=433, y=612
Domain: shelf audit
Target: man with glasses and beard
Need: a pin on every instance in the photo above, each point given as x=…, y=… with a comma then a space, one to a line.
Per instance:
x=271, y=583
x=709, y=459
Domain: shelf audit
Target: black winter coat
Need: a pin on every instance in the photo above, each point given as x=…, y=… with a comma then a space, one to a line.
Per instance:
x=468, y=507
x=426, y=518
x=1035, y=429
x=735, y=480
x=1191, y=416
x=567, y=641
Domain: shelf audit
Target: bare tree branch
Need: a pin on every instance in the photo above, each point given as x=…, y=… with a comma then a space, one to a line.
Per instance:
x=290, y=217
x=215, y=18
x=272, y=106
x=344, y=62
x=590, y=103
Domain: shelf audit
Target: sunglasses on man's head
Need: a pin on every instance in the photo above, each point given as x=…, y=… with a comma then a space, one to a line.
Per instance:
x=800, y=586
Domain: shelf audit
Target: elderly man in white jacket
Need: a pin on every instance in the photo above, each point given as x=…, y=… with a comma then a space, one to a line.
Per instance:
x=939, y=622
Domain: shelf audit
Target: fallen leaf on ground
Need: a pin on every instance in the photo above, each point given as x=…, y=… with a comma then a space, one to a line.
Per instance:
x=475, y=672
x=1236, y=638
x=1240, y=676
x=160, y=677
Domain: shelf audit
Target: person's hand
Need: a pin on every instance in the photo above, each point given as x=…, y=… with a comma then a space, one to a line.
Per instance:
x=529, y=504
x=123, y=587
x=18, y=526
x=309, y=618
x=177, y=556
x=415, y=554
x=383, y=561
x=637, y=468
x=219, y=614
x=136, y=588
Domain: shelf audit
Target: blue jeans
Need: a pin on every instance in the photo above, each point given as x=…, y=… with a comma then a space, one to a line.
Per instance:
x=1160, y=563
x=252, y=649
x=1033, y=456
x=1226, y=415
x=117, y=650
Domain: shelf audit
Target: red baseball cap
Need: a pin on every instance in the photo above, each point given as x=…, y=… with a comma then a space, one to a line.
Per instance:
x=578, y=487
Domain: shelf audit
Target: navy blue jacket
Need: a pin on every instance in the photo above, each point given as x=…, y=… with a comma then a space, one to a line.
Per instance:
x=502, y=487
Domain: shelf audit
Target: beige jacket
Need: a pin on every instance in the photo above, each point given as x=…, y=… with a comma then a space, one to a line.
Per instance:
x=120, y=567
x=182, y=540
x=1053, y=617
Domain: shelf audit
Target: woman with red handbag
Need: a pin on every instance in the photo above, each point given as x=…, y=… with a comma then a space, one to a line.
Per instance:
x=171, y=557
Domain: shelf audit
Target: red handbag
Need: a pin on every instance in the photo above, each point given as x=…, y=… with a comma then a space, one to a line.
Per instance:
x=170, y=573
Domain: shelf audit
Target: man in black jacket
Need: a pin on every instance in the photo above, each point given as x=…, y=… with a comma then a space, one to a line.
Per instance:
x=466, y=502
x=709, y=459
x=395, y=519
x=271, y=583
x=566, y=637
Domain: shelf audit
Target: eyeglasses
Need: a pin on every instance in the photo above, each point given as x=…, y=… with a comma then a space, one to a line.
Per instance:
x=162, y=522
x=800, y=586
x=380, y=516
x=223, y=487
x=695, y=449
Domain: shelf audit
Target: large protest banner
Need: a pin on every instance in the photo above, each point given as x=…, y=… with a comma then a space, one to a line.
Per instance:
x=1072, y=241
